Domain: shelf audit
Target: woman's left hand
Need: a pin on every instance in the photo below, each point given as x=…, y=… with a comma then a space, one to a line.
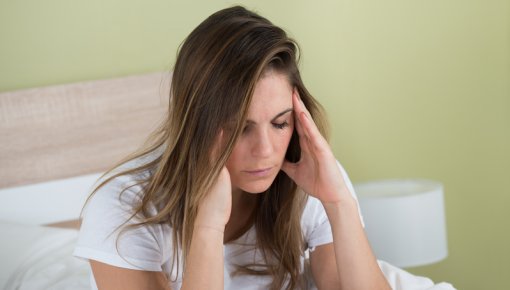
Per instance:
x=317, y=171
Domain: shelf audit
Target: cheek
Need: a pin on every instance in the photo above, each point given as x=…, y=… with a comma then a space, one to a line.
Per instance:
x=284, y=140
x=235, y=158
x=288, y=133
x=281, y=140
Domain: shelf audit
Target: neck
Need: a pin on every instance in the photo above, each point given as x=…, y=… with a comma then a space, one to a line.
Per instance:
x=243, y=201
x=244, y=206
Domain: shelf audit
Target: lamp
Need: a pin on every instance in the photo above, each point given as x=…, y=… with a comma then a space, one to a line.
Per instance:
x=404, y=220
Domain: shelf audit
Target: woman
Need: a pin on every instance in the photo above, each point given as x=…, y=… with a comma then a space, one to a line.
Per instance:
x=237, y=183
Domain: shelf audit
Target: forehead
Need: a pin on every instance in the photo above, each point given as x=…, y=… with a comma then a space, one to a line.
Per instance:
x=272, y=95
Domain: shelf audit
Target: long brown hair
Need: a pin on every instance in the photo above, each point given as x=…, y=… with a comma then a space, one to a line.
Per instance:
x=217, y=68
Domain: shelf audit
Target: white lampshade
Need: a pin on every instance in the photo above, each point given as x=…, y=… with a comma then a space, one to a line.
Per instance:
x=404, y=220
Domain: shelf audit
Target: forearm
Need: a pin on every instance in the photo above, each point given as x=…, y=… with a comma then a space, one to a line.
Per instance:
x=356, y=264
x=204, y=264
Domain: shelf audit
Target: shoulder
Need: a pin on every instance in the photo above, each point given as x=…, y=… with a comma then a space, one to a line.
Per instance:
x=109, y=231
x=315, y=225
x=314, y=220
x=314, y=210
x=350, y=186
x=117, y=196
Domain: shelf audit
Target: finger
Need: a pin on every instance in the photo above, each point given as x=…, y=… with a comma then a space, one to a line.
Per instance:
x=311, y=131
x=301, y=105
x=307, y=125
x=301, y=109
x=303, y=136
x=296, y=104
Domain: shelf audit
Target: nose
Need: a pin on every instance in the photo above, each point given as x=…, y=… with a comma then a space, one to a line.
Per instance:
x=262, y=145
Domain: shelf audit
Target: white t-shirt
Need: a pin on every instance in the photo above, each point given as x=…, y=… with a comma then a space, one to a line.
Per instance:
x=150, y=247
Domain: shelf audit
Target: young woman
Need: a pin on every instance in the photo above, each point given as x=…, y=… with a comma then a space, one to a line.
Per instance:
x=236, y=185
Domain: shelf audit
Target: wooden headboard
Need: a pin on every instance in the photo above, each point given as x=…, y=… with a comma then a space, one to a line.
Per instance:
x=74, y=129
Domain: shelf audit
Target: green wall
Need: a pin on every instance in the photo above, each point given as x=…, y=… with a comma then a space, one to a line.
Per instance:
x=412, y=88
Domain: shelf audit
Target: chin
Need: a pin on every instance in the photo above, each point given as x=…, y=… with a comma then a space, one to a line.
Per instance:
x=257, y=187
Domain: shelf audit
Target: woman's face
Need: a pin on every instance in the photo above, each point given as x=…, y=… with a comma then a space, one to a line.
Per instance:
x=260, y=151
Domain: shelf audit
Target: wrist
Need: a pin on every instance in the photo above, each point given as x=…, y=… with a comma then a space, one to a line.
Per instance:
x=344, y=205
x=217, y=229
x=210, y=218
x=210, y=221
x=340, y=199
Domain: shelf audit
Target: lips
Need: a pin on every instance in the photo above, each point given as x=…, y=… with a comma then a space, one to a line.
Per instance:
x=259, y=172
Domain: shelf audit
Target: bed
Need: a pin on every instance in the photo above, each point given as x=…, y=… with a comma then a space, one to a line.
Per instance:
x=56, y=142
x=36, y=245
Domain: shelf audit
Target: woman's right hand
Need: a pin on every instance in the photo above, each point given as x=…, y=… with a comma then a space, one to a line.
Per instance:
x=205, y=261
x=214, y=209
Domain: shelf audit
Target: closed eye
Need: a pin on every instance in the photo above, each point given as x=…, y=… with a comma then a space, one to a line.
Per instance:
x=281, y=125
x=246, y=128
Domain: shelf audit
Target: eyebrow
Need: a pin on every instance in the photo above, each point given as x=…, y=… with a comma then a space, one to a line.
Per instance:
x=274, y=118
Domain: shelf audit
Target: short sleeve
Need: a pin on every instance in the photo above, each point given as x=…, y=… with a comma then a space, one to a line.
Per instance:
x=103, y=236
x=350, y=187
x=315, y=224
x=314, y=221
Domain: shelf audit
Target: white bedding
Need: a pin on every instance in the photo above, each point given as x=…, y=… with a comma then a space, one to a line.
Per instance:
x=34, y=257
x=37, y=258
x=46, y=202
x=402, y=280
